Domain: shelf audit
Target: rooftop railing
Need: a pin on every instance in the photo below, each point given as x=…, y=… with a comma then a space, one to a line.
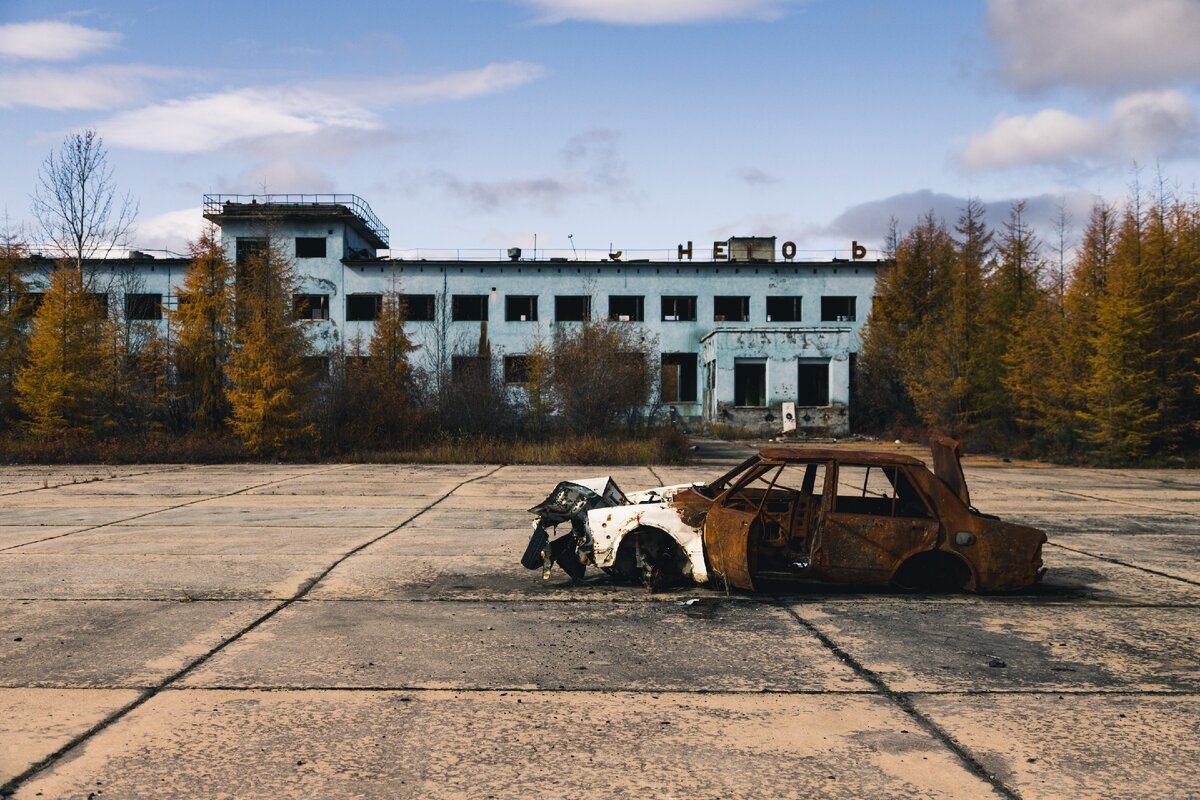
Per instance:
x=627, y=256
x=215, y=204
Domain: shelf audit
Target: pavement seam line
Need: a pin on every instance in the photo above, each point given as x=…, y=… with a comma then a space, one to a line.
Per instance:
x=11, y=786
x=902, y=701
x=1119, y=562
x=172, y=508
x=178, y=468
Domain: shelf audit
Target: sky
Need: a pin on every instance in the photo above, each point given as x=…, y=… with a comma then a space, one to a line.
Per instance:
x=631, y=124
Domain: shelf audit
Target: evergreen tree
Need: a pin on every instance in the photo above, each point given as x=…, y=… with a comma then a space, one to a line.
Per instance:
x=267, y=370
x=389, y=374
x=203, y=330
x=16, y=307
x=62, y=380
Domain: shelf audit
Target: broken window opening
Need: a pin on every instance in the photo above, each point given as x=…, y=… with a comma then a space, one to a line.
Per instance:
x=469, y=308
x=418, y=307
x=316, y=368
x=311, y=306
x=572, y=308
x=812, y=383
x=516, y=369
x=837, y=309
x=363, y=307
x=783, y=309
x=310, y=247
x=626, y=308
x=468, y=368
x=143, y=306
x=249, y=248
x=731, y=309
x=678, y=378
x=679, y=308
x=750, y=382
x=101, y=300
x=521, y=308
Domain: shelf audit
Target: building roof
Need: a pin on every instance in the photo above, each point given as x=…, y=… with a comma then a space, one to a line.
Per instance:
x=349, y=208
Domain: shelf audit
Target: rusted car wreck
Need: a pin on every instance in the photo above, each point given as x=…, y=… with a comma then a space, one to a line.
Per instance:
x=792, y=514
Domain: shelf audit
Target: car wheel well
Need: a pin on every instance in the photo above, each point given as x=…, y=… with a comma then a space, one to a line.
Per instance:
x=651, y=556
x=934, y=571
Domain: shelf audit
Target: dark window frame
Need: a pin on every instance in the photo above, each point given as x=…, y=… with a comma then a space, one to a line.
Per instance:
x=419, y=307
x=740, y=395
x=357, y=307
x=516, y=369
x=635, y=313
x=144, y=306
x=785, y=308
x=513, y=307
x=469, y=308
x=565, y=312
x=731, y=308
x=311, y=307
x=815, y=386
x=682, y=308
x=306, y=247
x=686, y=382
x=835, y=306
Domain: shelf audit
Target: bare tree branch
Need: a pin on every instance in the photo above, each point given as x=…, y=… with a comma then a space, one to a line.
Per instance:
x=76, y=203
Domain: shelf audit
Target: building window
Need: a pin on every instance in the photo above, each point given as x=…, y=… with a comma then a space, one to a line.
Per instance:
x=363, y=307
x=516, y=369
x=627, y=308
x=678, y=378
x=101, y=299
x=520, y=308
x=572, y=308
x=310, y=247
x=143, y=306
x=813, y=383
x=468, y=368
x=418, y=307
x=731, y=309
x=750, y=382
x=316, y=368
x=783, y=309
x=469, y=308
x=249, y=248
x=311, y=306
x=679, y=309
x=30, y=303
x=837, y=309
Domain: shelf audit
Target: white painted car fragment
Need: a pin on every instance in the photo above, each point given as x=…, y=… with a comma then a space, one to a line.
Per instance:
x=624, y=535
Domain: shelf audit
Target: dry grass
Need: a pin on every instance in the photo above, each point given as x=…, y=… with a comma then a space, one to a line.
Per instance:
x=663, y=447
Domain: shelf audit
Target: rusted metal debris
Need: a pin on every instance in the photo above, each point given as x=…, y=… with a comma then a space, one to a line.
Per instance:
x=792, y=514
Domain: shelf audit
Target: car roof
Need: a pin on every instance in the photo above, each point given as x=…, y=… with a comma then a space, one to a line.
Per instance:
x=868, y=458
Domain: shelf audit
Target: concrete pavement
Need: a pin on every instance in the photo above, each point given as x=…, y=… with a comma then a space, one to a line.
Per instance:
x=366, y=631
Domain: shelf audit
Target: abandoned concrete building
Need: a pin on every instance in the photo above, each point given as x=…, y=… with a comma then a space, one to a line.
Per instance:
x=746, y=338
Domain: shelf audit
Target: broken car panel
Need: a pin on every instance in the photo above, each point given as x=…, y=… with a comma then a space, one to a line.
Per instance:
x=792, y=513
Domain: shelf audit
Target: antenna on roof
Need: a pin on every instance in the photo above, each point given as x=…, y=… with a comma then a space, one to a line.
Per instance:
x=574, y=252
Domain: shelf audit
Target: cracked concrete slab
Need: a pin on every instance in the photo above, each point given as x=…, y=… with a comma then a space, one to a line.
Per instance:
x=170, y=577
x=1018, y=647
x=1069, y=746
x=717, y=646
x=98, y=644
x=184, y=744
x=36, y=722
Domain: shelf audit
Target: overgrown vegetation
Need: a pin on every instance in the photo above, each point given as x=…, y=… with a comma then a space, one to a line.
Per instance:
x=236, y=373
x=978, y=333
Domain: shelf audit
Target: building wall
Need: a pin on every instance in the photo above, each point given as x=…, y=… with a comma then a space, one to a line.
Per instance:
x=337, y=276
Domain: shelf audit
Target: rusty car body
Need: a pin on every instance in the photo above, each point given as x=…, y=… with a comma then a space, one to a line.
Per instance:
x=792, y=514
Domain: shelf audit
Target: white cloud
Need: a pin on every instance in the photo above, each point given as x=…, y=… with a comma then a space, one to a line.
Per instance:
x=1141, y=125
x=1096, y=43
x=91, y=88
x=656, y=12
x=204, y=123
x=52, y=41
x=170, y=231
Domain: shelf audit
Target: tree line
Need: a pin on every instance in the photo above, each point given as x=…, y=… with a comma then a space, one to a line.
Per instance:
x=1015, y=344
x=235, y=360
